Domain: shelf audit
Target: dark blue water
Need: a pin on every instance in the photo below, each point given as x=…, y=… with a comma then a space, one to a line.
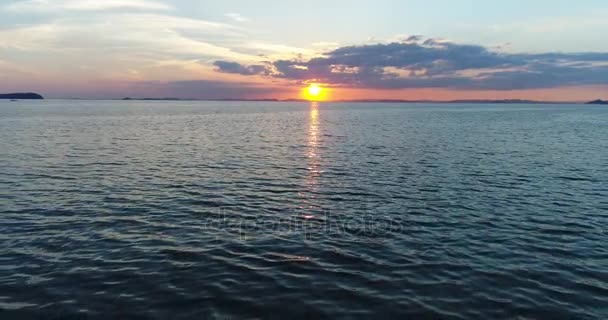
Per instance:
x=179, y=210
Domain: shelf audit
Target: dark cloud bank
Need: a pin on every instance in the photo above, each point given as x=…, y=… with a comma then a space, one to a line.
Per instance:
x=207, y=89
x=418, y=63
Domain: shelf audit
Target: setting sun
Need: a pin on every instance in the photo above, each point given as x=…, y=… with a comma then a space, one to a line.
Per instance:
x=314, y=92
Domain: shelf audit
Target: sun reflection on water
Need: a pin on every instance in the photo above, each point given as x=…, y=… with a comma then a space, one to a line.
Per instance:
x=314, y=163
x=313, y=131
x=313, y=139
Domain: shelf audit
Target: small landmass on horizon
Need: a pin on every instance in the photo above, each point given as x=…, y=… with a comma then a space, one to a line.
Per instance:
x=598, y=101
x=21, y=96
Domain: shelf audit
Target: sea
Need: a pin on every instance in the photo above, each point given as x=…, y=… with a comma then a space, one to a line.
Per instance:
x=274, y=210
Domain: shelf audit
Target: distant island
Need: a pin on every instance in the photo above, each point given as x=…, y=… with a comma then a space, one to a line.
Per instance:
x=598, y=101
x=22, y=96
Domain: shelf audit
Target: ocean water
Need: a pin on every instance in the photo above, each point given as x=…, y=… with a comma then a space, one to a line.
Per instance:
x=180, y=210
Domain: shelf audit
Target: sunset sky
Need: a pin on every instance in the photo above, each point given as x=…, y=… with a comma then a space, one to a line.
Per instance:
x=440, y=50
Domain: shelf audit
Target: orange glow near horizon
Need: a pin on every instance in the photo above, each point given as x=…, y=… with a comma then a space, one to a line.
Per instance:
x=314, y=92
x=573, y=93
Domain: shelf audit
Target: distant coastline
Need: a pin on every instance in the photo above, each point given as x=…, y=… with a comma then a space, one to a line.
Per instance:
x=472, y=101
x=21, y=96
x=36, y=96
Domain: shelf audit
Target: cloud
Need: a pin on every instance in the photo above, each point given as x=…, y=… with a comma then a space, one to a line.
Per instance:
x=413, y=38
x=104, y=48
x=85, y=5
x=416, y=62
x=206, y=89
x=122, y=36
x=233, y=67
x=102, y=53
x=236, y=17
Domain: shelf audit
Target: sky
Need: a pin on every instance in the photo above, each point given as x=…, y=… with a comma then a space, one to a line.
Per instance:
x=381, y=49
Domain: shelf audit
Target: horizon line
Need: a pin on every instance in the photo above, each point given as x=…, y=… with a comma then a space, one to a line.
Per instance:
x=503, y=101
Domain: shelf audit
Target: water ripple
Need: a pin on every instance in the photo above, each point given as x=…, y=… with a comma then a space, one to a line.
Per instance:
x=253, y=210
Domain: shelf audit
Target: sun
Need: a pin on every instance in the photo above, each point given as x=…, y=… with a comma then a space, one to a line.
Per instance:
x=314, y=92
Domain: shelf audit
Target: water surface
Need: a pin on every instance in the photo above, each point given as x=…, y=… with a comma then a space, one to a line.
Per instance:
x=243, y=209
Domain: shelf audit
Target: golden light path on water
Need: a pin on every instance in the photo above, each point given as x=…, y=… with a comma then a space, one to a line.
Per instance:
x=314, y=164
x=313, y=142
